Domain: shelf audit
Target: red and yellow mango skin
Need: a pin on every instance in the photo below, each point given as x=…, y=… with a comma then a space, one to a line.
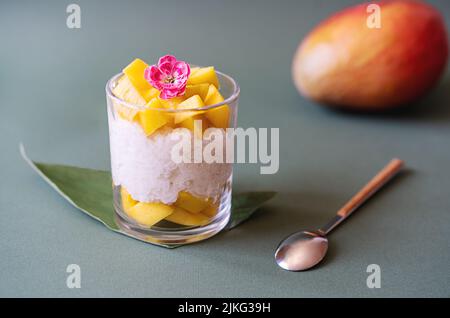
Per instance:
x=346, y=64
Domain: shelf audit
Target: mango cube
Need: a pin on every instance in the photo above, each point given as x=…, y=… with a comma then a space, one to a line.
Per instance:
x=126, y=199
x=195, y=120
x=190, y=123
x=171, y=103
x=210, y=211
x=194, y=69
x=198, y=89
x=218, y=116
x=154, y=103
x=135, y=72
x=151, y=118
x=127, y=92
x=149, y=214
x=190, y=103
x=183, y=217
x=151, y=93
x=126, y=112
x=191, y=203
x=204, y=75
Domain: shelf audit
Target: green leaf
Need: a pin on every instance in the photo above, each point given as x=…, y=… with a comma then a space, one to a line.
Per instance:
x=244, y=205
x=90, y=191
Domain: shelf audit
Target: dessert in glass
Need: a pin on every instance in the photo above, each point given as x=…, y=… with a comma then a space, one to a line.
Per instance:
x=158, y=114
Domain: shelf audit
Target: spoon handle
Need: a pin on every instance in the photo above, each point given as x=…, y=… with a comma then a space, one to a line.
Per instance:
x=389, y=171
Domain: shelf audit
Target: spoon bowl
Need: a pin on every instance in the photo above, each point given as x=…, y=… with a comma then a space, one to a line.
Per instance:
x=301, y=250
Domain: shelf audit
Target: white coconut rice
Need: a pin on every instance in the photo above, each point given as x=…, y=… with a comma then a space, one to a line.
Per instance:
x=143, y=165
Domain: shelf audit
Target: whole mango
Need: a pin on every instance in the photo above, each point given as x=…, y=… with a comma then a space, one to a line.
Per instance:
x=351, y=63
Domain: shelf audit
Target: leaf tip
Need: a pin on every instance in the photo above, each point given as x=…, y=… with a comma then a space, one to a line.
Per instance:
x=24, y=155
x=22, y=150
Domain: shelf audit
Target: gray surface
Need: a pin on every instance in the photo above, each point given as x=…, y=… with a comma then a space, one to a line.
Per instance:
x=52, y=98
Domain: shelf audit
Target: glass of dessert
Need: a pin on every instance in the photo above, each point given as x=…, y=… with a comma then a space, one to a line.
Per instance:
x=163, y=120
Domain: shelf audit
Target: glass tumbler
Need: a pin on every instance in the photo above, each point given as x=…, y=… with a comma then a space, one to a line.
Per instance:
x=165, y=188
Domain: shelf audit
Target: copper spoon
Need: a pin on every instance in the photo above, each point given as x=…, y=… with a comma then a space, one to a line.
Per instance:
x=303, y=250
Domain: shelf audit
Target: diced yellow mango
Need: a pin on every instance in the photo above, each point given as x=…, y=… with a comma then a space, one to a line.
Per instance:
x=213, y=96
x=171, y=103
x=126, y=199
x=191, y=203
x=193, y=70
x=190, y=103
x=126, y=91
x=126, y=112
x=218, y=116
x=154, y=103
x=152, y=119
x=204, y=75
x=170, y=120
x=149, y=214
x=162, y=103
x=135, y=72
x=199, y=89
x=151, y=93
x=210, y=211
x=190, y=123
x=183, y=217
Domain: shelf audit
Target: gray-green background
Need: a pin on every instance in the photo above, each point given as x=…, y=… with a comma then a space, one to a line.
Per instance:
x=52, y=99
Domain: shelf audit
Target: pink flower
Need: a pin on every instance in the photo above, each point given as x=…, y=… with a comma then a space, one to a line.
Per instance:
x=169, y=76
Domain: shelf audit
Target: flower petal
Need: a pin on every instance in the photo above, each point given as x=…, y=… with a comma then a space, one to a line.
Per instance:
x=166, y=68
x=169, y=93
x=181, y=68
x=154, y=76
x=167, y=59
